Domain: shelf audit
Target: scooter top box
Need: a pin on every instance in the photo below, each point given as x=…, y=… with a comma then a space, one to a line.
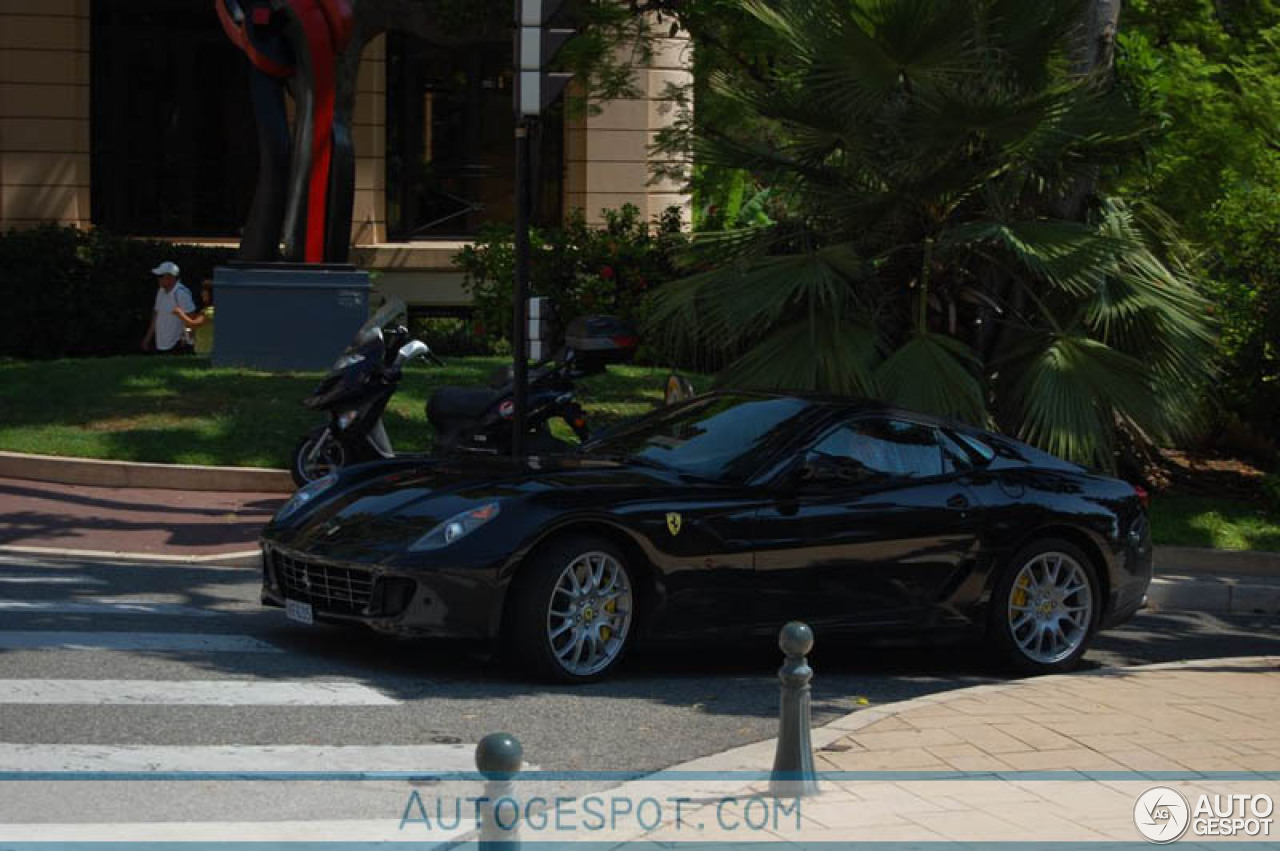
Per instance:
x=599, y=341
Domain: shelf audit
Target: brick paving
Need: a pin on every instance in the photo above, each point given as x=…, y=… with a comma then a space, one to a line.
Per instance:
x=131, y=520
x=1060, y=758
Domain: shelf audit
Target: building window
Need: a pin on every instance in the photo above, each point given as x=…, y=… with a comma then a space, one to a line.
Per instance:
x=174, y=146
x=451, y=142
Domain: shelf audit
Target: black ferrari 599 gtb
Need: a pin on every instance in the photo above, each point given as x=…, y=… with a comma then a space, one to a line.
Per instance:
x=722, y=517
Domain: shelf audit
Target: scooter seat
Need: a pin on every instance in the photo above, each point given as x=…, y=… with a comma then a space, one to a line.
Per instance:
x=457, y=403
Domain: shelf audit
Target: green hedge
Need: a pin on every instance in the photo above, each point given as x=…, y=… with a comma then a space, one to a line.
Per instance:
x=72, y=293
x=583, y=269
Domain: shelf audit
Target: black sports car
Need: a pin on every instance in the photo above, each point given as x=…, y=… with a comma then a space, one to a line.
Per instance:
x=723, y=516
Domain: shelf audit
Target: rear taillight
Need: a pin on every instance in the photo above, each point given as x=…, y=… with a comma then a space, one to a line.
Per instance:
x=625, y=342
x=1144, y=498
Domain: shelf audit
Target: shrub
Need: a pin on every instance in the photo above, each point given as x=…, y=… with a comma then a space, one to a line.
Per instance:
x=73, y=293
x=450, y=337
x=583, y=270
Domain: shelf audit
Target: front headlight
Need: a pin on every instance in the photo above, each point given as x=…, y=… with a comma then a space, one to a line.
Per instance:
x=457, y=526
x=305, y=494
x=346, y=418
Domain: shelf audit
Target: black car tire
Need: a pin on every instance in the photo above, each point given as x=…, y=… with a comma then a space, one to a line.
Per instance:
x=300, y=452
x=527, y=628
x=1000, y=629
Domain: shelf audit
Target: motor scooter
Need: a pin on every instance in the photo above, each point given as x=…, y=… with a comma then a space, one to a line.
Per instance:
x=465, y=419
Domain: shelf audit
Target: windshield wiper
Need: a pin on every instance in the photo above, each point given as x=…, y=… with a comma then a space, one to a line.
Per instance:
x=619, y=458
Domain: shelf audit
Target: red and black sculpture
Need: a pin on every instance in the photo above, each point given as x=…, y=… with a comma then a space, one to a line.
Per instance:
x=305, y=183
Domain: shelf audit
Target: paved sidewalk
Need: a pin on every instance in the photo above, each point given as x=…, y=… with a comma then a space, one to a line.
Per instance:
x=1052, y=759
x=184, y=524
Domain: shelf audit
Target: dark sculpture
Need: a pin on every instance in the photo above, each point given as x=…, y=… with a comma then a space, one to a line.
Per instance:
x=305, y=186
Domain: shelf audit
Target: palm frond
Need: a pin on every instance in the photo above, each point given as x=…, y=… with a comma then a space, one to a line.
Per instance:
x=1072, y=256
x=824, y=353
x=728, y=305
x=1067, y=390
x=934, y=373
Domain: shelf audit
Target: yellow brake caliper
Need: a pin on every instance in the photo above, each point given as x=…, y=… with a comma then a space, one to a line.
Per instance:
x=610, y=607
x=1020, y=595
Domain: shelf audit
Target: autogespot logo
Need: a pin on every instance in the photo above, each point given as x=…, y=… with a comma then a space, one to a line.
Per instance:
x=1161, y=814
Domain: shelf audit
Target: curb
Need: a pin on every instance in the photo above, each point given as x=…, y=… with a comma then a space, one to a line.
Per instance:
x=1220, y=595
x=135, y=474
x=1184, y=560
x=240, y=559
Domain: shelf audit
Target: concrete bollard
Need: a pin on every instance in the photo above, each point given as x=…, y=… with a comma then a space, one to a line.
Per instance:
x=794, y=773
x=499, y=757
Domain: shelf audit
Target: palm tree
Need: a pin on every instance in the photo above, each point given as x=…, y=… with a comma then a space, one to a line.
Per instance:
x=921, y=147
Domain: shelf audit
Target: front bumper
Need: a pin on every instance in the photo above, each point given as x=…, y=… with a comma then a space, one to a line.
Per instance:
x=444, y=602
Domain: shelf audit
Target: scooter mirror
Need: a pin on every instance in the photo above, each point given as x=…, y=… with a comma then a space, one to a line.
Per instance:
x=410, y=350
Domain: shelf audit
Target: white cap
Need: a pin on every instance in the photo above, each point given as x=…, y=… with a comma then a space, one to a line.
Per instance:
x=166, y=268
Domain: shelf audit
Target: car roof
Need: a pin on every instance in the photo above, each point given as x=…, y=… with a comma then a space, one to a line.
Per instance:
x=850, y=405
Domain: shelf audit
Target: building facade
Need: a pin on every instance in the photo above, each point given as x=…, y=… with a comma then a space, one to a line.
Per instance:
x=132, y=115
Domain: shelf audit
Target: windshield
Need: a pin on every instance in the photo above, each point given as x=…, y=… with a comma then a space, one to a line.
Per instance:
x=716, y=437
x=367, y=342
x=385, y=315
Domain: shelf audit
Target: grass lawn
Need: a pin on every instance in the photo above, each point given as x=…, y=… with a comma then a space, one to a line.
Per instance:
x=181, y=410
x=1197, y=521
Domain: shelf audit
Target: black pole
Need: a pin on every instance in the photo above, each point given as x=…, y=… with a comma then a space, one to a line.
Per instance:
x=520, y=334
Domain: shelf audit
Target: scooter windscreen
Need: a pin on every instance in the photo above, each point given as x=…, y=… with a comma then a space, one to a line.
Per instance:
x=370, y=332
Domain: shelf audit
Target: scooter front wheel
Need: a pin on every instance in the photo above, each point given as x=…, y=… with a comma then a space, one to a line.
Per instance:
x=316, y=456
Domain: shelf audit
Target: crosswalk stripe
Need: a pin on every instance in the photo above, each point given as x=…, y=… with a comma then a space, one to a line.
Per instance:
x=73, y=579
x=103, y=606
x=191, y=693
x=144, y=641
x=236, y=759
x=353, y=831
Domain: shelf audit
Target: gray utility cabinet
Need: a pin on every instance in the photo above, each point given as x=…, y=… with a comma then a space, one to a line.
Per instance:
x=286, y=316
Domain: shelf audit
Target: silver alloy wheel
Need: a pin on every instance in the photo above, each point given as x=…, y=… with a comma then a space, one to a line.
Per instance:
x=1050, y=607
x=322, y=457
x=590, y=613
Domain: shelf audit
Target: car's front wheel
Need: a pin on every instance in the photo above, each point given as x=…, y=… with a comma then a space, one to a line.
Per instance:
x=573, y=610
x=1045, y=608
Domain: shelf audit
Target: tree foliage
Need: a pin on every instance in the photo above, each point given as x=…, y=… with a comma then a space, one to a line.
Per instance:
x=1208, y=75
x=917, y=150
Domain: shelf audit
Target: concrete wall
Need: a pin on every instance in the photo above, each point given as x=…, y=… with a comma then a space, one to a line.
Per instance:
x=607, y=156
x=369, y=131
x=44, y=112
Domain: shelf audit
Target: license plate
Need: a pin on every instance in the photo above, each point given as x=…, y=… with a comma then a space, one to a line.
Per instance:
x=296, y=610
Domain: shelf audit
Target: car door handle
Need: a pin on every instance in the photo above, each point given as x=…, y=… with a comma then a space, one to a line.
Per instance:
x=958, y=501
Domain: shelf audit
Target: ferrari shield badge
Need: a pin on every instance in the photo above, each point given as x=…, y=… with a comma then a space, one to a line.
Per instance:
x=674, y=522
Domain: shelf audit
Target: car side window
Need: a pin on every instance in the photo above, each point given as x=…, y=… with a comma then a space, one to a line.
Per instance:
x=876, y=448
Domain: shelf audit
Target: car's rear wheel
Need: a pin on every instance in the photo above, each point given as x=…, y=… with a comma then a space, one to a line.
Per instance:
x=1045, y=608
x=574, y=609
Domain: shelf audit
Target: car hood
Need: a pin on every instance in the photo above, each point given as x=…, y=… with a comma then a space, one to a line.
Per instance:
x=380, y=509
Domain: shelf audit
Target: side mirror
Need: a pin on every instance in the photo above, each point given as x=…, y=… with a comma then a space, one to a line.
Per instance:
x=410, y=350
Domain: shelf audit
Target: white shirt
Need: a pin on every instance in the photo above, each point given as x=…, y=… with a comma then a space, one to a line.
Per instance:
x=169, y=327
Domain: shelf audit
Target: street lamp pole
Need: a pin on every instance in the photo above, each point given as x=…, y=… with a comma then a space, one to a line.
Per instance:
x=520, y=334
x=536, y=88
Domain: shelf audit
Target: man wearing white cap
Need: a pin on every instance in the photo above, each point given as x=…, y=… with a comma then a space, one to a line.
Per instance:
x=167, y=330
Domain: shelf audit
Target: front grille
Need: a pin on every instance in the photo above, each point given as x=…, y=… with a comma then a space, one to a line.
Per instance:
x=338, y=590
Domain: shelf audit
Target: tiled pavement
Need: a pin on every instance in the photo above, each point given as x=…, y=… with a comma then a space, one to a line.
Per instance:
x=1203, y=716
x=1061, y=758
